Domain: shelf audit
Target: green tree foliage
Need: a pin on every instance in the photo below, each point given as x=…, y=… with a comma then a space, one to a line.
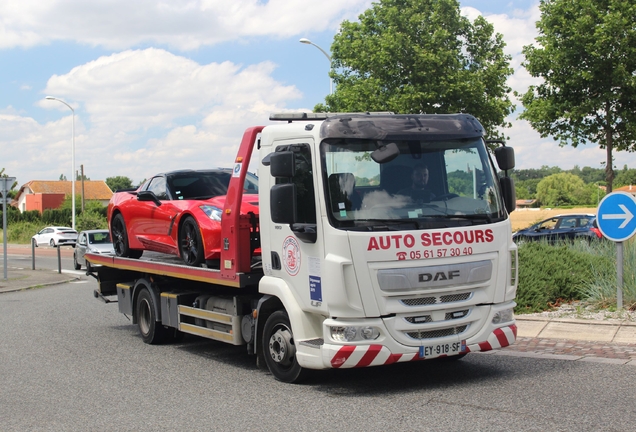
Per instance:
x=586, y=57
x=625, y=177
x=565, y=189
x=119, y=183
x=421, y=56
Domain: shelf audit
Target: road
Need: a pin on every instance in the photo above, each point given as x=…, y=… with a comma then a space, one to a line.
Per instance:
x=70, y=362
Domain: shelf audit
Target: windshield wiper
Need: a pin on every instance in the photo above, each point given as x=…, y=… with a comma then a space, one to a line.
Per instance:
x=482, y=216
x=385, y=224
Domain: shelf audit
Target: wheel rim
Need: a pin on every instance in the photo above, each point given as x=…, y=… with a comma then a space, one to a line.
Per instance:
x=144, y=316
x=189, y=244
x=52, y=243
x=118, y=237
x=281, y=347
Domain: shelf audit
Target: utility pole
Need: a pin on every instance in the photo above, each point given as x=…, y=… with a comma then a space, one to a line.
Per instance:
x=82, y=171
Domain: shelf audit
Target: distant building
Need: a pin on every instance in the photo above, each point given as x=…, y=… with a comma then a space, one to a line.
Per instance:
x=526, y=203
x=49, y=194
x=631, y=189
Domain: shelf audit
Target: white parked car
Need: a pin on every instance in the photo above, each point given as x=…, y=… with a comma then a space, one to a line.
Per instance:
x=55, y=236
x=93, y=241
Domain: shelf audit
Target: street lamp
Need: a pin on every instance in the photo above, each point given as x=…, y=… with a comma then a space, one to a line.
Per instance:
x=72, y=160
x=308, y=42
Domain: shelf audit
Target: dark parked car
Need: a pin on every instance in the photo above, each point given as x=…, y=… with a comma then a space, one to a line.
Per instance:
x=562, y=227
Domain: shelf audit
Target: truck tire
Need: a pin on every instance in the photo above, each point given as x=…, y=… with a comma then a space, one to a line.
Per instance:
x=120, y=239
x=190, y=243
x=279, y=349
x=152, y=332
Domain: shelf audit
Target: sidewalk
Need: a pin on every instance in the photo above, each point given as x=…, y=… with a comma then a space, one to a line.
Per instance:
x=608, y=331
x=20, y=279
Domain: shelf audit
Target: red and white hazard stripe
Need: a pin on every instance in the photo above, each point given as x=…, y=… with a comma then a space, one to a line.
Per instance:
x=501, y=337
x=351, y=356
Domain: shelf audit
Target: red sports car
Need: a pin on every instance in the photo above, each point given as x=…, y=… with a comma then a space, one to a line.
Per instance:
x=177, y=213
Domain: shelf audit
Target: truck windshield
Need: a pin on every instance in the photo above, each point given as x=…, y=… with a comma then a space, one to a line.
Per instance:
x=430, y=184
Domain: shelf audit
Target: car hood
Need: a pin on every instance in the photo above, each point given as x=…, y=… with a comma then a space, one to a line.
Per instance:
x=249, y=203
x=102, y=248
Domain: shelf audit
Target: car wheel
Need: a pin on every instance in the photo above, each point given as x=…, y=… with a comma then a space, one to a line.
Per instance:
x=75, y=263
x=120, y=239
x=190, y=244
x=52, y=243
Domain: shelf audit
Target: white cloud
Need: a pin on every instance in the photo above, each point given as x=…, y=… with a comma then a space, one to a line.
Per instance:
x=139, y=112
x=182, y=24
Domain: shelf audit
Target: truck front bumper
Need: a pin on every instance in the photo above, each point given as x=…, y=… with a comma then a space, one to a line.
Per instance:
x=326, y=353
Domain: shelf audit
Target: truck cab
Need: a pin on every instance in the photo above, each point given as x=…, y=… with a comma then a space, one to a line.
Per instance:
x=369, y=267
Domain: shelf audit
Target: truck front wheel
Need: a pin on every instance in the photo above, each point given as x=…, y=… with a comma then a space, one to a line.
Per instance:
x=279, y=349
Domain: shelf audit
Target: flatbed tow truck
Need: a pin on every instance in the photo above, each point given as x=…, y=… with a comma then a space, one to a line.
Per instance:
x=354, y=271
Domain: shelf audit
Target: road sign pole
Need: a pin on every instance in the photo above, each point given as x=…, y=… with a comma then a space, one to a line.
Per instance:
x=619, y=275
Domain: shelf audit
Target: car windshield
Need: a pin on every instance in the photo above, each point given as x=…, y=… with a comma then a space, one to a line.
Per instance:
x=99, y=238
x=206, y=184
x=429, y=184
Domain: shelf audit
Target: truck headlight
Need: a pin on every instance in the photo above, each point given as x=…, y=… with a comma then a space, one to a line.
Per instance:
x=503, y=316
x=354, y=333
x=212, y=212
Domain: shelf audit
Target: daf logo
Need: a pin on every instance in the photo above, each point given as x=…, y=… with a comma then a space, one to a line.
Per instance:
x=439, y=276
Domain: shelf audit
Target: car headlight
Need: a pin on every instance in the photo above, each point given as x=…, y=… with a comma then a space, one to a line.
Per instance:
x=354, y=333
x=212, y=212
x=503, y=316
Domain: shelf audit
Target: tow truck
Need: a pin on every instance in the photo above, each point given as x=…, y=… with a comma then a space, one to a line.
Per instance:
x=354, y=270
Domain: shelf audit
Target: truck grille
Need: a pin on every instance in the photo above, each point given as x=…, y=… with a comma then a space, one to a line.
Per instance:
x=434, y=300
x=432, y=334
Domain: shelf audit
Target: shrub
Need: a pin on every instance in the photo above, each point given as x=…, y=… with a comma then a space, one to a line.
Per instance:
x=550, y=274
x=90, y=220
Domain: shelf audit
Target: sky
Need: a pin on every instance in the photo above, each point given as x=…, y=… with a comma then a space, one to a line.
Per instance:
x=159, y=85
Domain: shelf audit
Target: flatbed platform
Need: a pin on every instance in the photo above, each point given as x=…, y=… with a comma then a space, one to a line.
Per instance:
x=166, y=265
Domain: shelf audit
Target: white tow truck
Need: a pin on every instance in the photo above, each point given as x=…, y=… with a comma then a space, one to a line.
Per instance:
x=356, y=268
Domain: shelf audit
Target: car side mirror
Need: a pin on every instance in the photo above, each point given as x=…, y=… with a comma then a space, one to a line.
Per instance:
x=148, y=196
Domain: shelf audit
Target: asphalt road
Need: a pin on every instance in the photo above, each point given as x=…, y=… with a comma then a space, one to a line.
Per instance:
x=69, y=362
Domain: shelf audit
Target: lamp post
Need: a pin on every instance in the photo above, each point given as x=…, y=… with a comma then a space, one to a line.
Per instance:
x=72, y=160
x=308, y=42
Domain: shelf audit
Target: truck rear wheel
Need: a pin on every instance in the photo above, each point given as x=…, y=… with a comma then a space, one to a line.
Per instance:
x=279, y=349
x=152, y=332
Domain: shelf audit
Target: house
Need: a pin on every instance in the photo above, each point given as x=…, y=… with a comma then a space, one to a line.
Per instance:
x=49, y=194
x=631, y=189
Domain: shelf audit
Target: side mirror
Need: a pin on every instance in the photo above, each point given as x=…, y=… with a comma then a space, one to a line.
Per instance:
x=148, y=196
x=282, y=164
x=509, y=193
x=505, y=158
x=282, y=199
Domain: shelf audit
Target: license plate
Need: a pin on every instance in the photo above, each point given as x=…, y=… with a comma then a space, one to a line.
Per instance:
x=451, y=348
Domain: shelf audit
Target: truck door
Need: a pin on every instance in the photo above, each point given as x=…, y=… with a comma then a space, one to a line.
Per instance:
x=297, y=248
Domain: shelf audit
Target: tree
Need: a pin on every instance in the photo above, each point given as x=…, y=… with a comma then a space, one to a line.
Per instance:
x=625, y=177
x=62, y=177
x=586, y=57
x=119, y=183
x=561, y=189
x=421, y=56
